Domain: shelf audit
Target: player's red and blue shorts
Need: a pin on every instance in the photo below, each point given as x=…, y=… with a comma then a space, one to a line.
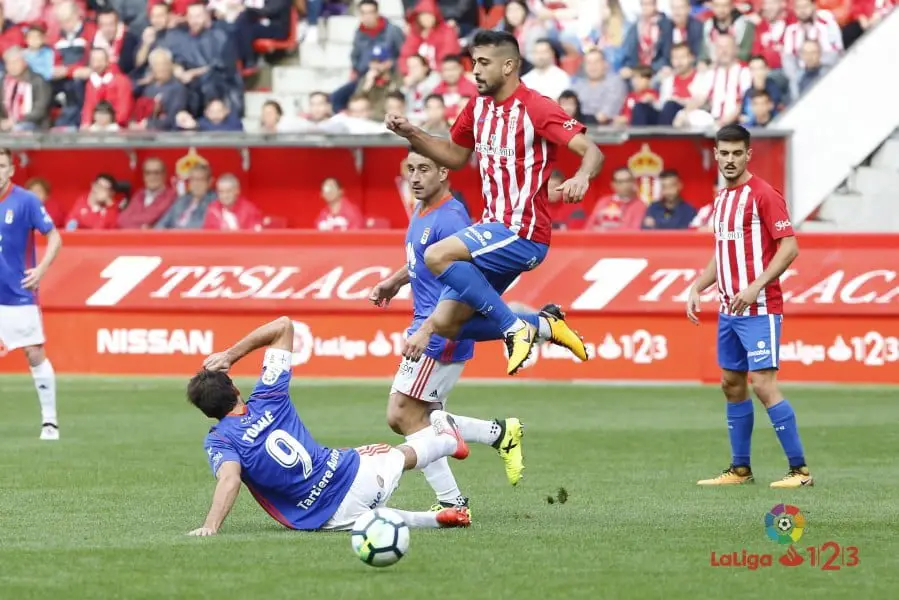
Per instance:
x=499, y=253
x=749, y=343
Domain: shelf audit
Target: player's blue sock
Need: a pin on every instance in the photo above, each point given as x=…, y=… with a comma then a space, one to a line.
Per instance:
x=474, y=289
x=740, y=418
x=784, y=421
x=480, y=329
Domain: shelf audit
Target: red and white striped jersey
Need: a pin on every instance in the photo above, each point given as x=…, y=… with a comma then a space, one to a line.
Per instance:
x=823, y=28
x=748, y=220
x=724, y=86
x=515, y=144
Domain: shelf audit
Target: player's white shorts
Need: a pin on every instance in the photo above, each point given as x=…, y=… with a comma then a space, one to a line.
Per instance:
x=428, y=379
x=380, y=469
x=21, y=326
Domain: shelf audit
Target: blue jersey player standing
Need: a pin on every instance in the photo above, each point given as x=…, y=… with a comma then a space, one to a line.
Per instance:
x=21, y=214
x=262, y=442
x=422, y=386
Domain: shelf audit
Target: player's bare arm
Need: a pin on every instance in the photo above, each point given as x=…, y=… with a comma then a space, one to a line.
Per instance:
x=705, y=279
x=787, y=251
x=441, y=150
x=277, y=334
x=33, y=276
x=575, y=188
x=226, y=490
x=384, y=292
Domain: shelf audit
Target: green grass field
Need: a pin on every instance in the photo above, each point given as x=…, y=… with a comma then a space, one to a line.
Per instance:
x=104, y=512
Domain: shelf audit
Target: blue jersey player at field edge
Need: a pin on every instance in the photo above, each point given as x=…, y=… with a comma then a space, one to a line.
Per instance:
x=262, y=442
x=21, y=214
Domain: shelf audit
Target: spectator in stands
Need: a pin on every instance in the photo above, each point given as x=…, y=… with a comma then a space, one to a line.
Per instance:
x=319, y=109
x=600, y=91
x=762, y=81
x=163, y=96
x=811, y=71
x=97, y=209
x=418, y=84
x=135, y=52
x=103, y=119
x=110, y=35
x=520, y=22
x=216, y=117
x=435, y=121
x=205, y=61
x=270, y=117
x=718, y=91
x=262, y=19
x=26, y=95
x=395, y=103
x=106, y=83
x=727, y=20
x=132, y=13
x=189, y=210
x=644, y=43
x=761, y=109
x=565, y=215
x=769, y=34
x=641, y=105
x=676, y=90
x=356, y=120
x=670, y=211
x=308, y=30
x=682, y=28
x=40, y=187
x=10, y=34
x=454, y=86
x=39, y=56
x=72, y=46
x=22, y=11
x=546, y=77
x=811, y=24
x=148, y=204
x=429, y=35
x=621, y=211
x=571, y=104
x=380, y=80
x=339, y=214
x=461, y=15
x=231, y=211
x=569, y=21
x=608, y=38
x=865, y=15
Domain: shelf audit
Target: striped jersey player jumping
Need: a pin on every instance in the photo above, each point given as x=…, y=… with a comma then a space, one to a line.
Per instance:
x=754, y=245
x=515, y=133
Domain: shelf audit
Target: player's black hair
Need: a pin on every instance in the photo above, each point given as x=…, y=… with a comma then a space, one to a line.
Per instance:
x=213, y=393
x=499, y=39
x=733, y=133
x=669, y=173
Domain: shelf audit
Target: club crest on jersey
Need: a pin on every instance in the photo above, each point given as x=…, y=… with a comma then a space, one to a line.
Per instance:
x=513, y=125
x=8, y=218
x=424, y=235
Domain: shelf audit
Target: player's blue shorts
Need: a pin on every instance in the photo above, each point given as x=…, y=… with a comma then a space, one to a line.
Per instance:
x=749, y=343
x=500, y=254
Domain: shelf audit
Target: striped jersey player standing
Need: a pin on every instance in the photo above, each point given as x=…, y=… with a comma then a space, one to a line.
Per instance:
x=21, y=214
x=754, y=245
x=515, y=133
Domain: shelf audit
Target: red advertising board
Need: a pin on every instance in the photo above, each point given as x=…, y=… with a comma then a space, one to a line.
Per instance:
x=155, y=303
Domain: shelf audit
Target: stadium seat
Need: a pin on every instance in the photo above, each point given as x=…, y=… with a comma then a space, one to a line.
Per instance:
x=392, y=9
x=268, y=46
x=295, y=80
x=338, y=55
x=253, y=102
x=342, y=29
x=312, y=54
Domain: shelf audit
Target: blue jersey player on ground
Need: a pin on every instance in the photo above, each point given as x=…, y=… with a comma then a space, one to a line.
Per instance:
x=21, y=214
x=262, y=442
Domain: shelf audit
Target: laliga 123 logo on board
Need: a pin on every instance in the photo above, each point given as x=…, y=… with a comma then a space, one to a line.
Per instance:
x=786, y=525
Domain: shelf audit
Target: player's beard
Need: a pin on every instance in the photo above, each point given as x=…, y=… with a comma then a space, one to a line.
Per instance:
x=490, y=90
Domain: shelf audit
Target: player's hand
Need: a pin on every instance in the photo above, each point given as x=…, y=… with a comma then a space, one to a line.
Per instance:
x=202, y=532
x=32, y=278
x=574, y=189
x=399, y=125
x=415, y=345
x=744, y=300
x=220, y=361
x=693, y=308
x=383, y=293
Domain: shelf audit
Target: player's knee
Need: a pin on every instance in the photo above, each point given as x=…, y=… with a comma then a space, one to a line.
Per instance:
x=405, y=415
x=734, y=387
x=436, y=258
x=35, y=355
x=764, y=386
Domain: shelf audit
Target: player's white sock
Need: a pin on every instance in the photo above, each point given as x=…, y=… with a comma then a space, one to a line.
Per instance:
x=438, y=473
x=418, y=519
x=519, y=324
x=45, y=384
x=543, y=330
x=478, y=430
x=430, y=448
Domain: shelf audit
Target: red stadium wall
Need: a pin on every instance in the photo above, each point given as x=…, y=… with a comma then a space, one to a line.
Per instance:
x=285, y=182
x=155, y=303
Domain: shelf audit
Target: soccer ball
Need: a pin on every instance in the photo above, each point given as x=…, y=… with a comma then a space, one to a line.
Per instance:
x=380, y=537
x=785, y=524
